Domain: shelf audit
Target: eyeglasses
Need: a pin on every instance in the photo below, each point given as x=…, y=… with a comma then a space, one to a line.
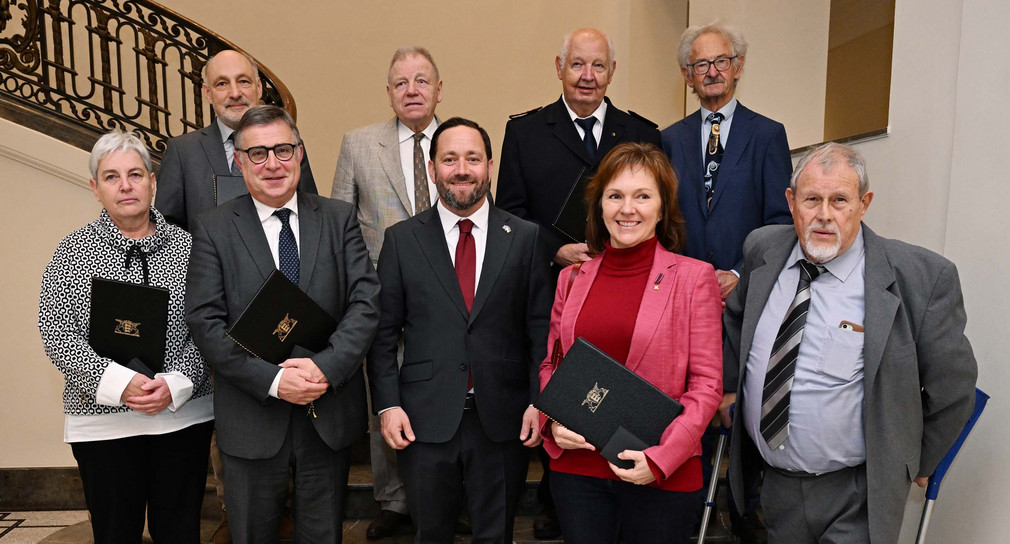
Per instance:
x=721, y=64
x=260, y=154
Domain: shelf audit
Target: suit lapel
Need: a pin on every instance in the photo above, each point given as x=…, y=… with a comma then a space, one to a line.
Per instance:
x=249, y=228
x=613, y=130
x=211, y=141
x=495, y=250
x=389, y=156
x=740, y=135
x=653, y=305
x=690, y=145
x=564, y=130
x=431, y=239
x=881, y=305
x=309, y=231
x=760, y=283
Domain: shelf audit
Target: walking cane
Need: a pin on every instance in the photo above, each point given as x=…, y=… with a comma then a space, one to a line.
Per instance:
x=933, y=488
x=714, y=480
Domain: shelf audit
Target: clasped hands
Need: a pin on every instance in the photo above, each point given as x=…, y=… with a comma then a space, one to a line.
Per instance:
x=640, y=474
x=301, y=382
x=145, y=395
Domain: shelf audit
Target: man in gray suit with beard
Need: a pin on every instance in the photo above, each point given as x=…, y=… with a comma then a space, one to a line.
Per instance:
x=231, y=84
x=301, y=418
x=383, y=171
x=848, y=354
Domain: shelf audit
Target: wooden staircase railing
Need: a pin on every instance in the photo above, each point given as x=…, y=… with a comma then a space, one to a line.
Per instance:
x=76, y=69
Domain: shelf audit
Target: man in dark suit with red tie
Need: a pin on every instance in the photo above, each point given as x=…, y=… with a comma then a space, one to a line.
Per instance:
x=466, y=285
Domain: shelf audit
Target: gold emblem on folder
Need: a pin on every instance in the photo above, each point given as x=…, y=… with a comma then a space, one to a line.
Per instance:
x=127, y=328
x=595, y=397
x=284, y=327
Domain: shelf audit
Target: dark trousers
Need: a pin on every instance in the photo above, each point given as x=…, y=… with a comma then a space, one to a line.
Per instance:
x=596, y=510
x=825, y=509
x=256, y=489
x=163, y=475
x=493, y=475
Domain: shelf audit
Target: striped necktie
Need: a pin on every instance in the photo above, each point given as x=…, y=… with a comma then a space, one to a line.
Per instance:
x=782, y=365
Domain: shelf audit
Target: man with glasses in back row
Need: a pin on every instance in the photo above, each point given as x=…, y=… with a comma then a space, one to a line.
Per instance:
x=733, y=166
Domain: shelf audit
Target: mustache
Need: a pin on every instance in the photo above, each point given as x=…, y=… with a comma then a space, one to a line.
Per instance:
x=236, y=102
x=821, y=225
x=711, y=80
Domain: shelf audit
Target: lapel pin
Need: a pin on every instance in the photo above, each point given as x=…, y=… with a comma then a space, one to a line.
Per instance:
x=506, y=228
x=659, y=278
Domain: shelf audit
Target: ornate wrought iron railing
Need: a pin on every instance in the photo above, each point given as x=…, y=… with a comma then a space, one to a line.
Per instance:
x=76, y=69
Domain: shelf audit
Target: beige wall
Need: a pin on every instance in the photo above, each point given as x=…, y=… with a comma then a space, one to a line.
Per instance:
x=784, y=74
x=495, y=58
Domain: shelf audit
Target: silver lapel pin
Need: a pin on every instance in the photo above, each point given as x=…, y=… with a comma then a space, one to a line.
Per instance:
x=506, y=228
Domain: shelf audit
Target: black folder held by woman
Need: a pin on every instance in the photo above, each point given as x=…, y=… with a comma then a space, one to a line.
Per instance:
x=128, y=324
x=611, y=406
x=280, y=318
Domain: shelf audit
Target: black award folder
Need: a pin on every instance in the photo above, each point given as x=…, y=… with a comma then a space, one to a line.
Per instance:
x=128, y=324
x=611, y=406
x=571, y=219
x=227, y=188
x=280, y=317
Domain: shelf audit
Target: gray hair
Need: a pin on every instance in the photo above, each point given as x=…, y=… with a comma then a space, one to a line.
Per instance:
x=252, y=61
x=566, y=44
x=827, y=157
x=117, y=140
x=258, y=116
x=405, y=52
x=737, y=45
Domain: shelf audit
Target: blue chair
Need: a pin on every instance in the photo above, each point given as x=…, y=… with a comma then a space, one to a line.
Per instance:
x=933, y=488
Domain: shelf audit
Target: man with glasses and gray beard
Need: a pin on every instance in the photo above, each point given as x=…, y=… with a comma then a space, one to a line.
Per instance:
x=848, y=356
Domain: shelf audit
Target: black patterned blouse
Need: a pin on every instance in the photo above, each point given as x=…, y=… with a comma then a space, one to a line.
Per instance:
x=99, y=249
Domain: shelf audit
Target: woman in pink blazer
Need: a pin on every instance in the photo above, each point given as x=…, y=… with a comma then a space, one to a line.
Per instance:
x=659, y=314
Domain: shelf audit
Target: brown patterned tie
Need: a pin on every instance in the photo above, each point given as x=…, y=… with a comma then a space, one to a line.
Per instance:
x=422, y=199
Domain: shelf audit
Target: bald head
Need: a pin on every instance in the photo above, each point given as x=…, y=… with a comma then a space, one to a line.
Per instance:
x=231, y=84
x=585, y=67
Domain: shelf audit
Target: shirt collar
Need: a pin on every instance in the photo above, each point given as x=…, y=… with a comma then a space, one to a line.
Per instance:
x=264, y=211
x=226, y=130
x=449, y=219
x=726, y=111
x=841, y=266
x=599, y=114
x=403, y=133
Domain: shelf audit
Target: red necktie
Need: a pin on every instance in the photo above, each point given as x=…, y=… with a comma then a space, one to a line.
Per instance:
x=466, y=271
x=466, y=262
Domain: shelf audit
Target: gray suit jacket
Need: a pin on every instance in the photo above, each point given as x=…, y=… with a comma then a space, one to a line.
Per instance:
x=369, y=176
x=186, y=175
x=503, y=339
x=919, y=370
x=229, y=263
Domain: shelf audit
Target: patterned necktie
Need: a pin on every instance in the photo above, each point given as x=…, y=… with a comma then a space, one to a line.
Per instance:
x=713, y=156
x=589, y=140
x=422, y=198
x=235, y=169
x=782, y=365
x=287, y=248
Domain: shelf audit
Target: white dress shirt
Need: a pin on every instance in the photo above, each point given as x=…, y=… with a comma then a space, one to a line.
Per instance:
x=272, y=229
x=450, y=225
x=406, y=138
x=229, y=144
x=600, y=114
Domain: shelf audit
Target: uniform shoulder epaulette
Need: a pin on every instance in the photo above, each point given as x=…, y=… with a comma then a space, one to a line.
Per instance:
x=525, y=113
x=643, y=119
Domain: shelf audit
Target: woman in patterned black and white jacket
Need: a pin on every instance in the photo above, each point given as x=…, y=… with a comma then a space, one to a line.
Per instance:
x=140, y=443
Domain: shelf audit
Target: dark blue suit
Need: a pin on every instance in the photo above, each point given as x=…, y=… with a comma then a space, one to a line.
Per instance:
x=749, y=190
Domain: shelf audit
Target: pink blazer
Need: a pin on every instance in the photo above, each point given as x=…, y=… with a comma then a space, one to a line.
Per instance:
x=676, y=345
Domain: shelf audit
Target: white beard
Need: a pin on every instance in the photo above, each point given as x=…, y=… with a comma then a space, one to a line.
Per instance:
x=819, y=252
